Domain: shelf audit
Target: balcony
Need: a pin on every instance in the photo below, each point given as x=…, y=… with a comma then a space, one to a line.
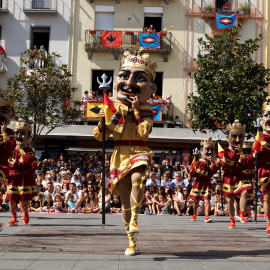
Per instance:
x=40, y=6
x=129, y=39
x=3, y=6
x=139, y=1
x=3, y=58
x=209, y=7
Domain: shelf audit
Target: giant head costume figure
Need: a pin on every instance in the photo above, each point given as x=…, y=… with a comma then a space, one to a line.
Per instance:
x=136, y=77
x=6, y=107
x=265, y=119
x=207, y=149
x=236, y=136
x=22, y=132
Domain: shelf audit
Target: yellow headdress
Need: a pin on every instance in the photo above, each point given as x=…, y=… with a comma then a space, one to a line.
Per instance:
x=265, y=106
x=6, y=98
x=137, y=60
x=236, y=126
x=22, y=125
x=209, y=141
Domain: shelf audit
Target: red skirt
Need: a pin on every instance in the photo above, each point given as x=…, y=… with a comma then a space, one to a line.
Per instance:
x=201, y=190
x=264, y=180
x=21, y=186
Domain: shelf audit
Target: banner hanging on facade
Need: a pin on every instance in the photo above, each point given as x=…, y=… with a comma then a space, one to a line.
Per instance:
x=149, y=40
x=157, y=111
x=111, y=39
x=92, y=110
x=225, y=20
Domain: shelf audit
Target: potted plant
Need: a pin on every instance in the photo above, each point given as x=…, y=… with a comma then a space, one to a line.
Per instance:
x=208, y=8
x=244, y=8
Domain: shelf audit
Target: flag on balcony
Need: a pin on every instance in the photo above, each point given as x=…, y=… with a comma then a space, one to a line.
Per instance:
x=92, y=110
x=111, y=39
x=149, y=40
x=157, y=112
x=225, y=20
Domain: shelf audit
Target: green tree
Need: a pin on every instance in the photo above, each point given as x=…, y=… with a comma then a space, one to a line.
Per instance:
x=230, y=84
x=43, y=93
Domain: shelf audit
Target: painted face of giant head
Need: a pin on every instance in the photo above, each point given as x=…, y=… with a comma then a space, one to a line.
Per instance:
x=22, y=136
x=132, y=81
x=265, y=121
x=6, y=113
x=236, y=139
x=207, y=152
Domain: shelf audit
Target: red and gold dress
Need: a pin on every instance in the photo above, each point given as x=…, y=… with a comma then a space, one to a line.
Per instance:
x=234, y=180
x=130, y=135
x=264, y=165
x=21, y=184
x=202, y=188
x=7, y=145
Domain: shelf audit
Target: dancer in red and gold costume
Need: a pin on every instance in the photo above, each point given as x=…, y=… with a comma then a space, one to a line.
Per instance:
x=264, y=165
x=21, y=184
x=203, y=171
x=131, y=125
x=235, y=184
x=7, y=136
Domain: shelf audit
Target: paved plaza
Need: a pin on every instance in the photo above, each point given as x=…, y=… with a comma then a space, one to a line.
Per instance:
x=77, y=241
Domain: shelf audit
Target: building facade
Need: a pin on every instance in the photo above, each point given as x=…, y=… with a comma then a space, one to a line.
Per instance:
x=25, y=23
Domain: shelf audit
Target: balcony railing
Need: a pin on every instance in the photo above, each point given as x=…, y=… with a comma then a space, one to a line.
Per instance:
x=3, y=5
x=129, y=39
x=243, y=6
x=3, y=58
x=40, y=6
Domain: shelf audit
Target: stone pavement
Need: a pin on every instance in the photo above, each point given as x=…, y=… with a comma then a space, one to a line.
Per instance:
x=77, y=241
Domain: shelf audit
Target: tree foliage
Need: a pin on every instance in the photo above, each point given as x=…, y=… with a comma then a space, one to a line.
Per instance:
x=230, y=84
x=44, y=94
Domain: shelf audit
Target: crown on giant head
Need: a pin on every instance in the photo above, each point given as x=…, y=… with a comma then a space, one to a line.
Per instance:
x=209, y=141
x=136, y=59
x=265, y=106
x=6, y=98
x=236, y=125
x=21, y=124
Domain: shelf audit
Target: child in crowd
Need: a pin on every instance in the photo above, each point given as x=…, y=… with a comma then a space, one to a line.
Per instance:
x=116, y=205
x=48, y=204
x=91, y=205
x=160, y=204
x=57, y=203
x=71, y=204
x=147, y=202
x=107, y=199
x=37, y=203
x=85, y=99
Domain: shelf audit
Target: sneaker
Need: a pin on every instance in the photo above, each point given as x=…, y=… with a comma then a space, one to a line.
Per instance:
x=249, y=219
x=26, y=221
x=207, y=220
x=232, y=224
x=237, y=218
x=134, y=228
x=268, y=230
x=130, y=251
x=193, y=218
x=13, y=223
x=1, y=227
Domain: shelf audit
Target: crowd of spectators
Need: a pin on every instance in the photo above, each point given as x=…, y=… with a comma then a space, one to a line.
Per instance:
x=73, y=184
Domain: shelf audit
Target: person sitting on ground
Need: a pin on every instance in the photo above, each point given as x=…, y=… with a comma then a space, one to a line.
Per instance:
x=77, y=194
x=116, y=205
x=48, y=204
x=147, y=202
x=71, y=204
x=37, y=203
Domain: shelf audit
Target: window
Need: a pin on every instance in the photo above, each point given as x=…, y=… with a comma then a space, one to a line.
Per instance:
x=159, y=82
x=97, y=74
x=40, y=36
x=153, y=15
x=104, y=17
x=41, y=4
x=220, y=5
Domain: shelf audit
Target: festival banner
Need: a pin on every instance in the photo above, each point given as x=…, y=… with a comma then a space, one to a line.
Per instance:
x=111, y=39
x=157, y=111
x=225, y=20
x=149, y=40
x=92, y=110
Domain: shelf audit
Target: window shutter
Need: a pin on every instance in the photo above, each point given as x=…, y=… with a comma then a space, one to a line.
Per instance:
x=104, y=21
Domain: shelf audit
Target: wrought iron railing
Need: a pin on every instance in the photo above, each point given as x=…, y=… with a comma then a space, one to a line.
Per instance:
x=40, y=4
x=3, y=4
x=129, y=39
x=3, y=59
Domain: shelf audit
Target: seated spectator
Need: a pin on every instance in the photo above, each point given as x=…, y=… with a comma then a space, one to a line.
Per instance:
x=37, y=203
x=161, y=203
x=57, y=203
x=49, y=190
x=48, y=204
x=152, y=180
x=107, y=200
x=167, y=168
x=166, y=180
x=116, y=205
x=78, y=178
x=147, y=202
x=77, y=195
x=71, y=204
x=155, y=199
x=178, y=200
x=171, y=158
x=151, y=29
x=65, y=188
x=91, y=204
x=177, y=181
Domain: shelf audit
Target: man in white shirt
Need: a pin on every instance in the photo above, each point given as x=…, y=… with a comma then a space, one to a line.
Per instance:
x=78, y=196
x=152, y=181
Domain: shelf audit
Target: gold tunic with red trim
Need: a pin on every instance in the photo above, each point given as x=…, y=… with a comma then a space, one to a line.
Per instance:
x=264, y=164
x=7, y=145
x=21, y=184
x=234, y=180
x=202, y=188
x=128, y=132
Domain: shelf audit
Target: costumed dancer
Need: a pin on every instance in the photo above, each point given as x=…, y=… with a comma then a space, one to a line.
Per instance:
x=264, y=164
x=131, y=125
x=7, y=136
x=21, y=186
x=235, y=184
x=203, y=172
